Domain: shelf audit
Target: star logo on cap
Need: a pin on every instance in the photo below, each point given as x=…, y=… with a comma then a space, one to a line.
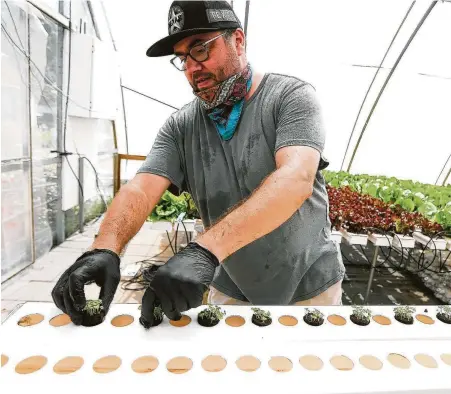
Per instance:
x=176, y=19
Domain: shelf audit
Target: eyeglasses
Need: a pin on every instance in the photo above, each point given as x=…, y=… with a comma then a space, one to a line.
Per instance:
x=198, y=52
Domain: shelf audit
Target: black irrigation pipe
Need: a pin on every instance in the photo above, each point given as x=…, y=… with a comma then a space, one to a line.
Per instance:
x=145, y=274
x=422, y=257
x=403, y=266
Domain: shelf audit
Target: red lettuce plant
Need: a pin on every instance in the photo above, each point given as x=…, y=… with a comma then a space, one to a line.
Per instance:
x=357, y=213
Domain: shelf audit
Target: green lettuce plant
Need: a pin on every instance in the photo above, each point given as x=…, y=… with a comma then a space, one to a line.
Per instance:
x=431, y=201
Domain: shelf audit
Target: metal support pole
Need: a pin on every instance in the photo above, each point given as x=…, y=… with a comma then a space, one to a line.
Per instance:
x=30, y=144
x=372, y=82
x=412, y=36
x=446, y=177
x=246, y=17
x=373, y=268
x=443, y=169
x=81, y=207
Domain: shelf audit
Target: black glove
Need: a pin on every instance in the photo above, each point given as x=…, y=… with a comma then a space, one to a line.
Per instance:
x=100, y=266
x=179, y=284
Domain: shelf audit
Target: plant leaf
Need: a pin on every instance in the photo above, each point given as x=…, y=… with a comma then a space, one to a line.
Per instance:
x=428, y=209
x=408, y=204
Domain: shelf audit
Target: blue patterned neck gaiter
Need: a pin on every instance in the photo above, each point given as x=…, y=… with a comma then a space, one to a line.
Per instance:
x=224, y=102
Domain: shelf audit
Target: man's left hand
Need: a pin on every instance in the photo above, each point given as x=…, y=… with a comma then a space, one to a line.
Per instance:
x=180, y=284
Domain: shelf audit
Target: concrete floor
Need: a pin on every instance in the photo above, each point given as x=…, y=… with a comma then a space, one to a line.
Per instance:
x=36, y=282
x=389, y=287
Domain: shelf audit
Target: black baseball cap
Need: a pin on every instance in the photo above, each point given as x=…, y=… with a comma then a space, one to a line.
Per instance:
x=187, y=18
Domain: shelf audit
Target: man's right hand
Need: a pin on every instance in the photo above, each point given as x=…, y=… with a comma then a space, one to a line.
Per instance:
x=100, y=266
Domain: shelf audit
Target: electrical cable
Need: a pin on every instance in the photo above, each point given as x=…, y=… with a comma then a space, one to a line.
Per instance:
x=66, y=119
x=66, y=111
x=97, y=181
x=188, y=237
x=176, y=236
x=399, y=268
x=426, y=267
x=170, y=243
x=15, y=26
x=139, y=277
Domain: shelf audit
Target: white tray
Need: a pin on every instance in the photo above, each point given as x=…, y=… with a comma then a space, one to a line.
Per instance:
x=336, y=236
x=439, y=244
x=354, y=239
x=380, y=240
x=165, y=342
x=404, y=241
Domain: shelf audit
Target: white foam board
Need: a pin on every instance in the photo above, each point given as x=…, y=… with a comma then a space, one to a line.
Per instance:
x=165, y=342
x=336, y=236
x=439, y=244
x=404, y=241
x=380, y=240
x=354, y=239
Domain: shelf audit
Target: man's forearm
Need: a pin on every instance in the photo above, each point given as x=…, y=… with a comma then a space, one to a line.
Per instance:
x=270, y=206
x=123, y=219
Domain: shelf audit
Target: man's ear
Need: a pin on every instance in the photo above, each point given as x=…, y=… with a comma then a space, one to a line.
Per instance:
x=240, y=41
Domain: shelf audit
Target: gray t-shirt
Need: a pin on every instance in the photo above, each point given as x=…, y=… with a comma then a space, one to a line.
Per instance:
x=296, y=261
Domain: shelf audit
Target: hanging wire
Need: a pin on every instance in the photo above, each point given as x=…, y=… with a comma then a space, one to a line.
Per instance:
x=150, y=97
x=97, y=182
x=66, y=112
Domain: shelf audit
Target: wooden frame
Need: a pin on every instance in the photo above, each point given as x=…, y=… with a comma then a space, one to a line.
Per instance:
x=117, y=168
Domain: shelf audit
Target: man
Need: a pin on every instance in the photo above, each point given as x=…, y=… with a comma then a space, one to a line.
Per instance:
x=248, y=149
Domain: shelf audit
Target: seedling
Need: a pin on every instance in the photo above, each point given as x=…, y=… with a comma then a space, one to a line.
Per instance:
x=313, y=317
x=158, y=317
x=210, y=316
x=361, y=315
x=93, y=313
x=404, y=314
x=444, y=314
x=261, y=318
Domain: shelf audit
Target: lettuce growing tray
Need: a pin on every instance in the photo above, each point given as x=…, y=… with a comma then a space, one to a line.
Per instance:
x=404, y=241
x=431, y=243
x=296, y=358
x=354, y=239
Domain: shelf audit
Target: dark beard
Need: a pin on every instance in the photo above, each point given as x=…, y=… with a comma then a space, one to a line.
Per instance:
x=196, y=89
x=221, y=77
